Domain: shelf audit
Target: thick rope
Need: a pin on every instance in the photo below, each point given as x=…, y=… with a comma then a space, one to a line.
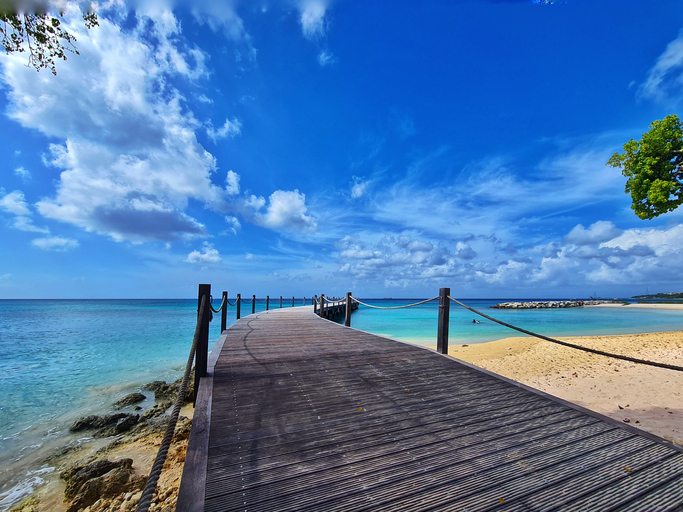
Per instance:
x=232, y=303
x=395, y=307
x=148, y=492
x=220, y=308
x=246, y=301
x=571, y=345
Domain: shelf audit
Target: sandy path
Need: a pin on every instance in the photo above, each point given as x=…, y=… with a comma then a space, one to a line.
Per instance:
x=650, y=398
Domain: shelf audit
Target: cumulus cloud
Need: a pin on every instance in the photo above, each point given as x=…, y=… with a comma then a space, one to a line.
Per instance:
x=598, y=232
x=130, y=160
x=312, y=18
x=664, y=82
x=26, y=224
x=15, y=203
x=207, y=255
x=55, y=243
x=232, y=183
x=233, y=223
x=601, y=254
x=229, y=130
x=285, y=209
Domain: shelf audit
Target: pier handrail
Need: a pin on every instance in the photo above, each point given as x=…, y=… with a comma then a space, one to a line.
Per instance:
x=394, y=307
x=571, y=345
x=148, y=491
x=442, y=329
x=223, y=301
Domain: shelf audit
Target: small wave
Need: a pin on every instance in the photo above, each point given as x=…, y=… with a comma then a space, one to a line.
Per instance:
x=23, y=489
x=16, y=434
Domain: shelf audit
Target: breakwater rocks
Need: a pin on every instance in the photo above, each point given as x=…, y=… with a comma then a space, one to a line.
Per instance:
x=550, y=304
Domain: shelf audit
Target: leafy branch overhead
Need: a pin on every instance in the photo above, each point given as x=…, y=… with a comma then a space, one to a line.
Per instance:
x=654, y=168
x=42, y=34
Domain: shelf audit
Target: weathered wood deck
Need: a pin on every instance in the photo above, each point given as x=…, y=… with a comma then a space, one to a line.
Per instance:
x=299, y=413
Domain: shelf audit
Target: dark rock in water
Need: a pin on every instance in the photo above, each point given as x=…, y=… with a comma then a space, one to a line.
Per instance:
x=155, y=411
x=137, y=408
x=130, y=399
x=93, y=422
x=121, y=425
x=77, y=476
x=109, y=425
x=116, y=480
x=162, y=390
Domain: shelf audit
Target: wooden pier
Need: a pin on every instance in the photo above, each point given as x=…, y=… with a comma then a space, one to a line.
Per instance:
x=300, y=413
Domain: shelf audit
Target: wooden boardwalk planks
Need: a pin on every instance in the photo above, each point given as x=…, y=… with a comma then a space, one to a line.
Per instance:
x=305, y=414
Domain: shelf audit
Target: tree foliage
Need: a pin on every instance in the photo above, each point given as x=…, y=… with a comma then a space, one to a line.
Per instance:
x=42, y=34
x=654, y=168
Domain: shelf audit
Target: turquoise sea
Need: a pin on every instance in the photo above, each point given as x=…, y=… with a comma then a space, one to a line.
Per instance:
x=62, y=359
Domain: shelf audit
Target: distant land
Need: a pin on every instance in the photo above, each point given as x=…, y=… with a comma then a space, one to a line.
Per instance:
x=669, y=295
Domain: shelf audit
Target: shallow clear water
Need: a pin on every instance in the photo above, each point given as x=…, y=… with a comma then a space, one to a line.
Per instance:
x=418, y=324
x=61, y=359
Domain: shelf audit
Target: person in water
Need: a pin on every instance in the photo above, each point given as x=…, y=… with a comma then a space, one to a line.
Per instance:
x=475, y=321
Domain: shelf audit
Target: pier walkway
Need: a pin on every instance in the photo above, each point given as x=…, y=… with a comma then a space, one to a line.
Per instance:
x=300, y=413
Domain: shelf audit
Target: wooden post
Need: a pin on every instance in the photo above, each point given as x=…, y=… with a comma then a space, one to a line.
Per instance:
x=224, y=312
x=444, y=311
x=347, y=321
x=292, y=301
x=280, y=301
x=304, y=301
x=322, y=305
x=239, y=305
x=202, y=350
x=315, y=304
x=267, y=301
x=253, y=304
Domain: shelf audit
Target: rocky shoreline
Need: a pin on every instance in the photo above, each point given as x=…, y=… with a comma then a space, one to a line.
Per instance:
x=550, y=304
x=110, y=477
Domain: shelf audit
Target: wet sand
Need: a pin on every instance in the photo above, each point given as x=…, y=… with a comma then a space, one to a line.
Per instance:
x=646, y=397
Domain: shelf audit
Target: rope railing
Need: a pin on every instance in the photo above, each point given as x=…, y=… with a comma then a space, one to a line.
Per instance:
x=571, y=345
x=225, y=299
x=150, y=487
x=395, y=307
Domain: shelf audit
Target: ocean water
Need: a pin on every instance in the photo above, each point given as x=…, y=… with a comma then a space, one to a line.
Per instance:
x=62, y=359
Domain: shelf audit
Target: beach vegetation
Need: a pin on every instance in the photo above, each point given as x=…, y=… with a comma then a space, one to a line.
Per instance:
x=39, y=32
x=654, y=168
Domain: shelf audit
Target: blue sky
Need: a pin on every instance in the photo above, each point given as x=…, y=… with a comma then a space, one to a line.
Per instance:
x=306, y=146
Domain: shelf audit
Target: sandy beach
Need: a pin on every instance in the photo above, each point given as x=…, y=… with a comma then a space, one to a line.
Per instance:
x=646, y=397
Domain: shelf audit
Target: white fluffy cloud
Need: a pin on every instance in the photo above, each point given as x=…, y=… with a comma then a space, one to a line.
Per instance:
x=233, y=223
x=286, y=209
x=55, y=243
x=601, y=254
x=15, y=203
x=207, y=255
x=26, y=224
x=600, y=231
x=130, y=158
x=229, y=130
x=232, y=183
x=312, y=18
